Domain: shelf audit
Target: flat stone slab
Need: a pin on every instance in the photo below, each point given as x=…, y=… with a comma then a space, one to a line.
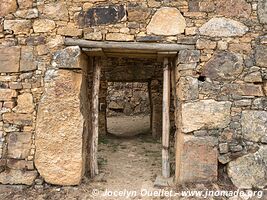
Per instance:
x=163, y=182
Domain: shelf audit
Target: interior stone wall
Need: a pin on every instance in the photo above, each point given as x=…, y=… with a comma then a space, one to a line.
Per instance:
x=221, y=86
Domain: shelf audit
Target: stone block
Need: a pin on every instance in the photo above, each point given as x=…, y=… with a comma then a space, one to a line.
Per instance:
x=24, y=103
x=205, y=114
x=137, y=12
x=188, y=56
x=243, y=90
x=254, y=125
x=197, y=159
x=27, y=14
x=241, y=8
x=19, y=145
x=25, y=4
x=187, y=88
x=60, y=128
x=18, y=26
x=70, y=30
x=27, y=61
x=55, y=11
x=15, y=177
x=167, y=21
x=260, y=56
x=7, y=94
x=19, y=164
x=119, y=37
x=18, y=118
x=9, y=59
x=262, y=11
x=7, y=6
x=43, y=25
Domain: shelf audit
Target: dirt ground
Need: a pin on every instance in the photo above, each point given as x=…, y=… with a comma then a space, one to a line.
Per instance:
x=126, y=164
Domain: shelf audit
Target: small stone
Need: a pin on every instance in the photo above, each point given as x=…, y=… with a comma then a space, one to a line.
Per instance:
x=19, y=145
x=243, y=90
x=7, y=6
x=18, y=26
x=207, y=114
x=7, y=94
x=264, y=140
x=225, y=158
x=137, y=13
x=262, y=11
x=222, y=45
x=254, y=124
x=223, y=147
x=187, y=66
x=93, y=36
x=236, y=148
x=148, y=38
x=243, y=102
x=187, y=88
x=119, y=37
x=25, y=103
x=261, y=58
x=17, y=118
x=223, y=27
x=25, y=4
x=205, y=44
x=167, y=21
x=27, y=62
x=43, y=25
x=188, y=56
x=70, y=30
x=19, y=164
x=27, y=14
x=254, y=77
x=9, y=59
x=56, y=11
x=15, y=177
x=241, y=8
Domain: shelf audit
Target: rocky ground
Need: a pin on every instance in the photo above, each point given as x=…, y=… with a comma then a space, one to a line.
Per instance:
x=130, y=164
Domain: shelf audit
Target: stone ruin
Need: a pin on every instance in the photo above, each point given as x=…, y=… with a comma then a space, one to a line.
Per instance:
x=219, y=90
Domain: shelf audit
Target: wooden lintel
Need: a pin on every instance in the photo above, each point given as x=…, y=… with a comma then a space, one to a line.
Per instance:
x=167, y=54
x=94, y=52
x=127, y=45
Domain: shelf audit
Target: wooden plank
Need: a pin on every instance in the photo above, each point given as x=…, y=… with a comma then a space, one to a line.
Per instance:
x=132, y=55
x=94, y=52
x=166, y=119
x=127, y=45
x=95, y=118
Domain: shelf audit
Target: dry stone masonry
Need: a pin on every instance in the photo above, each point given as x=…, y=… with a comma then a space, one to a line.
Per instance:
x=219, y=88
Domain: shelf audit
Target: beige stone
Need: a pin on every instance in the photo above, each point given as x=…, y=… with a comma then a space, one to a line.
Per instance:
x=27, y=14
x=138, y=13
x=93, y=36
x=56, y=11
x=167, y=21
x=19, y=145
x=43, y=25
x=119, y=37
x=197, y=159
x=7, y=6
x=27, y=61
x=265, y=88
x=70, y=30
x=18, y=177
x=24, y=103
x=59, y=129
x=9, y=59
x=7, y=94
x=18, y=26
x=207, y=114
x=241, y=8
x=205, y=44
x=18, y=118
x=25, y=4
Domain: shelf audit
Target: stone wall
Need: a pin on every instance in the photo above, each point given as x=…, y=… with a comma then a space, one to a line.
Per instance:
x=221, y=86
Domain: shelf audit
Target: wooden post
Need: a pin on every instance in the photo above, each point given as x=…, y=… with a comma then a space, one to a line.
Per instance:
x=166, y=119
x=95, y=118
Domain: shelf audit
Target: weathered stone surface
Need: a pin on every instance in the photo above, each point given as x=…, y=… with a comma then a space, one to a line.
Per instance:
x=17, y=118
x=9, y=59
x=93, y=35
x=19, y=164
x=254, y=125
x=205, y=44
x=7, y=94
x=56, y=11
x=207, y=114
x=223, y=27
x=27, y=62
x=27, y=14
x=70, y=30
x=137, y=13
x=18, y=26
x=25, y=103
x=188, y=56
x=43, y=25
x=197, y=157
x=25, y=4
x=167, y=21
x=35, y=40
x=253, y=77
x=7, y=6
x=19, y=145
x=18, y=177
x=265, y=88
x=103, y=15
x=262, y=11
x=241, y=8
x=261, y=56
x=249, y=171
x=187, y=88
x=243, y=89
x=119, y=37
x=59, y=127
x=70, y=57
x=223, y=66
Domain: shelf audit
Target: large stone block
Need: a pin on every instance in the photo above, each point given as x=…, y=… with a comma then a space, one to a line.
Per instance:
x=137, y=12
x=19, y=145
x=249, y=171
x=261, y=56
x=18, y=118
x=223, y=27
x=119, y=37
x=18, y=26
x=262, y=11
x=18, y=177
x=241, y=8
x=167, y=21
x=7, y=94
x=205, y=114
x=59, y=129
x=43, y=25
x=25, y=103
x=197, y=159
x=243, y=89
x=254, y=125
x=70, y=57
x=55, y=11
x=223, y=66
x=9, y=59
x=27, y=62
x=7, y=6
